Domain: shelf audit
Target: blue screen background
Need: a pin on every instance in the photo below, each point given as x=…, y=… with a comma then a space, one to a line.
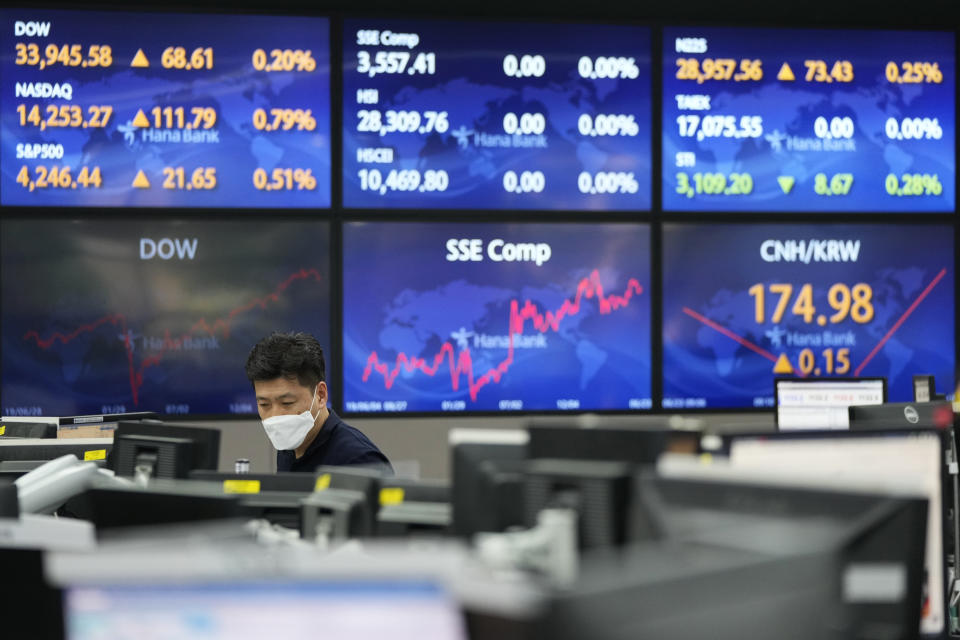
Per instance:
x=233, y=87
x=107, y=322
x=471, y=86
x=402, y=296
x=709, y=269
x=789, y=110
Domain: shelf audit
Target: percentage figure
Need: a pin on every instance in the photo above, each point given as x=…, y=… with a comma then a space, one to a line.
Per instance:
x=284, y=60
x=608, y=67
x=607, y=182
x=284, y=179
x=284, y=119
x=608, y=125
x=914, y=184
x=914, y=72
x=914, y=129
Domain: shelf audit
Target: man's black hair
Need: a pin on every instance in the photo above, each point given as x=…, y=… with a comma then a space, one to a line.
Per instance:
x=287, y=355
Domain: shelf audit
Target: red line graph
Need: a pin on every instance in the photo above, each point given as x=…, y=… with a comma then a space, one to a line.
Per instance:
x=462, y=364
x=136, y=372
x=730, y=334
x=900, y=321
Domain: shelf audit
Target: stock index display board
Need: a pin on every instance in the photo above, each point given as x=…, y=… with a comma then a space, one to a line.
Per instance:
x=164, y=110
x=808, y=120
x=107, y=316
x=496, y=317
x=476, y=115
x=803, y=300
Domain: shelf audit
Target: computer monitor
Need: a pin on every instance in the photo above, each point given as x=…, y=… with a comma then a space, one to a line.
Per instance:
x=821, y=403
x=598, y=491
x=275, y=497
x=29, y=599
x=253, y=483
x=892, y=461
x=689, y=588
x=414, y=507
x=610, y=443
x=902, y=415
x=487, y=467
x=115, y=507
x=39, y=450
x=9, y=505
x=344, y=503
x=164, y=451
x=369, y=608
x=13, y=428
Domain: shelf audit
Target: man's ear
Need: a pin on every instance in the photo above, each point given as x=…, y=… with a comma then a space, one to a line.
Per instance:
x=322, y=393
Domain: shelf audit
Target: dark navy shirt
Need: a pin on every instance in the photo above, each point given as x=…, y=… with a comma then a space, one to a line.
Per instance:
x=338, y=444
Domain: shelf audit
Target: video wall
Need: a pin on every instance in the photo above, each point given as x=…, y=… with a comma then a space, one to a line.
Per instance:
x=489, y=217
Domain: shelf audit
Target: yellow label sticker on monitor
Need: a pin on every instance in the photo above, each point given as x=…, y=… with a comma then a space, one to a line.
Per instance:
x=323, y=482
x=391, y=495
x=241, y=486
x=3, y=429
x=95, y=454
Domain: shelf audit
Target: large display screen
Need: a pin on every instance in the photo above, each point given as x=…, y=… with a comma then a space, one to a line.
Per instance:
x=472, y=115
x=808, y=120
x=163, y=110
x=745, y=303
x=107, y=316
x=496, y=317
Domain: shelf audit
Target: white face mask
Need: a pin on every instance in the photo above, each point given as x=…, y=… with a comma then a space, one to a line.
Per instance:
x=289, y=432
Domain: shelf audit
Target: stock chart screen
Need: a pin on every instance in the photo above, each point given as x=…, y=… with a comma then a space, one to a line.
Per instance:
x=474, y=115
x=803, y=300
x=163, y=110
x=496, y=317
x=110, y=316
x=808, y=120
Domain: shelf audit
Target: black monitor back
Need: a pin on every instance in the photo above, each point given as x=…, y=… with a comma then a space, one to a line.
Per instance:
x=109, y=508
x=487, y=485
x=29, y=599
x=863, y=530
x=275, y=497
x=613, y=444
x=41, y=450
x=415, y=490
x=15, y=429
x=902, y=415
x=9, y=500
x=204, y=450
x=233, y=482
x=598, y=491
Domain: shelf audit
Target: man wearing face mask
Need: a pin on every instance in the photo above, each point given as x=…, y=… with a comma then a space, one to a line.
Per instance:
x=288, y=375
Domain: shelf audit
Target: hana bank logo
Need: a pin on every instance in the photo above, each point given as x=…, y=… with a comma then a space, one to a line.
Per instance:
x=462, y=136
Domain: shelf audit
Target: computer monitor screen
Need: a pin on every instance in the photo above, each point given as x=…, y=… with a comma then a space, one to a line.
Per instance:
x=165, y=451
x=821, y=403
x=495, y=317
x=233, y=112
x=896, y=462
x=802, y=300
x=797, y=120
x=116, y=315
x=400, y=609
x=498, y=115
